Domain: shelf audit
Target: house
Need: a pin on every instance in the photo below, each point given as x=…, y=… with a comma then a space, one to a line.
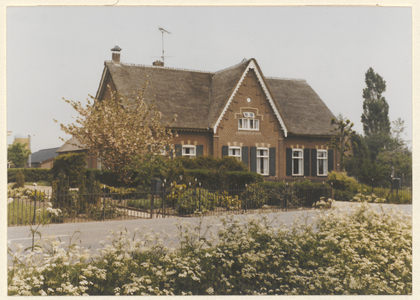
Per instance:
x=73, y=145
x=277, y=127
x=43, y=158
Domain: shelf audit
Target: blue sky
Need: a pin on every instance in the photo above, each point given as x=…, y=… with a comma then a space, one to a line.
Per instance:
x=55, y=52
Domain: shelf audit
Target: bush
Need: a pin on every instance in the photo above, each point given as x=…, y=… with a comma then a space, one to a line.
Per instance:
x=72, y=165
x=31, y=174
x=341, y=181
x=252, y=256
x=20, y=180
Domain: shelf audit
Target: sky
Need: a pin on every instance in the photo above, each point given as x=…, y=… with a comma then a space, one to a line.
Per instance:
x=56, y=52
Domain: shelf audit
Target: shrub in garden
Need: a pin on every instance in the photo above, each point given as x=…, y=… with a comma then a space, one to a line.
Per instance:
x=20, y=180
x=31, y=174
x=254, y=257
x=73, y=166
x=191, y=200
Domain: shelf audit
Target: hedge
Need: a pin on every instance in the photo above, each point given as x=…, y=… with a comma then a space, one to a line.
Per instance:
x=31, y=174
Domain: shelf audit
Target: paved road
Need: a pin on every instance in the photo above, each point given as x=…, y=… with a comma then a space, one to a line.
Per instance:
x=92, y=233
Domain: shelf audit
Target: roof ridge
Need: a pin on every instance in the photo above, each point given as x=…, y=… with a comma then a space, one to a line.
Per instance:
x=159, y=67
x=231, y=67
x=285, y=78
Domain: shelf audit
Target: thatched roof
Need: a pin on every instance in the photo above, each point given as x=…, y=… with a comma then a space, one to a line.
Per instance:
x=198, y=98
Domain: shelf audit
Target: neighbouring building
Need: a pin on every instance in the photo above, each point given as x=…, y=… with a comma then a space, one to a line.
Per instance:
x=43, y=158
x=73, y=145
x=277, y=127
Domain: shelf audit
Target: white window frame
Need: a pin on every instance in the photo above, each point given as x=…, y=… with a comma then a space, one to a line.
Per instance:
x=324, y=160
x=237, y=155
x=264, y=159
x=192, y=153
x=245, y=124
x=299, y=160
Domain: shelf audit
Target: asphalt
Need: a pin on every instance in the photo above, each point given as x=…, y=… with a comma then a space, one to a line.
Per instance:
x=91, y=234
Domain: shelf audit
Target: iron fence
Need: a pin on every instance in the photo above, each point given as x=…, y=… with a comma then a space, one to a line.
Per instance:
x=176, y=201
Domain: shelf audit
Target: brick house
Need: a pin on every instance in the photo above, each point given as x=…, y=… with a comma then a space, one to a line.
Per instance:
x=73, y=145
x=277, y=127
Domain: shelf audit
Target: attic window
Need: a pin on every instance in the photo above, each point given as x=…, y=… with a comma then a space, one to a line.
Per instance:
x=248, y=123
x=249, y=115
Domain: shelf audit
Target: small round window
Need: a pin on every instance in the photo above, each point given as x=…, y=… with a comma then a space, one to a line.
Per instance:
x=248, y=100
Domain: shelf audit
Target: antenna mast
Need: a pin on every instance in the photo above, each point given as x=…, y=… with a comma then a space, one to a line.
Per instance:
x=163, y=52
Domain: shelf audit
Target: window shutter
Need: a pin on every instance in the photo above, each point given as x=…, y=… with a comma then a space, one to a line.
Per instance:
x=330, y=160
x=225, y=150
x=314, y=171
x=245, y=155
x=288, y=161
x=272, y=162
x=253, y=159
x=306, y=162
x=178, y=150
x=199, y=150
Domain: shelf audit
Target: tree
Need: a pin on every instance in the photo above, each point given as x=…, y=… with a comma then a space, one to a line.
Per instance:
x=375, y=108
x=376, y=125
x=398, y=155
x=117, y=130
x=360, y=153
x=342, y=141
x=18, y=154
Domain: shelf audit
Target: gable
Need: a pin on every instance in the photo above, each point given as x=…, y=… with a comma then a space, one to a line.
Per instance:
x=251, y=64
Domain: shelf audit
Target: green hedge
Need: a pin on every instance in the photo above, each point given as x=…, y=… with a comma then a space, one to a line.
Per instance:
x=31, y=174
x=222, y=179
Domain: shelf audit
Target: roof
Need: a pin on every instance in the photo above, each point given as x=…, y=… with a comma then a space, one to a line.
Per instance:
x=43, y=155
x=197, y=98
x=72, y=144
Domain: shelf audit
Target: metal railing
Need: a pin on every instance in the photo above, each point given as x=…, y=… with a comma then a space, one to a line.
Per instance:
x=178, y=201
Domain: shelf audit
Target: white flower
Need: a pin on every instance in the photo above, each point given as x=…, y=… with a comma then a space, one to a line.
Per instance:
x=10, y=200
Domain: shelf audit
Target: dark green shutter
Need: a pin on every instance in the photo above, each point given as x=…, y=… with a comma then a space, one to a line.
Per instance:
x=314, y=170
x=330, y=160
x=272, y=161
x=199, y=150
x=245, y=155
x=306, y=162
x=288, y=161
x=253, y=159
x=178, y=150
x=225, y=151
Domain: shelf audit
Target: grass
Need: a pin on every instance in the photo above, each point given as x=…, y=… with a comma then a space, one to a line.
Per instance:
x=20, y=212
x=40, y=183
x=144, y=203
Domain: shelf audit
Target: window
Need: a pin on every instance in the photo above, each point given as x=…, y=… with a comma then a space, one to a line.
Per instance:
x=235, y=152
x=262, y=161
x=297, y=162
x=322, y=160
x=248, y=124
x=188, y=151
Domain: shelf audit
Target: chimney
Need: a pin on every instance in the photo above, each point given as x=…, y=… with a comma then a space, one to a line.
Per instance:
x=158, y=63
x=116, y=54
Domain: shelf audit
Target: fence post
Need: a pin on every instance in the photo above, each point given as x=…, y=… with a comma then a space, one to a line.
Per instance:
x=103, y=204
x=152, y=200
x=287, y=195
x=246, y=197
x=163, y=198
x=199, y=197
x=35, y=209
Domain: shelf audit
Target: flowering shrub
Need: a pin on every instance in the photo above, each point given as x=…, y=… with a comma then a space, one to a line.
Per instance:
x=323, y=204
x=362, y=251
x=363, y=197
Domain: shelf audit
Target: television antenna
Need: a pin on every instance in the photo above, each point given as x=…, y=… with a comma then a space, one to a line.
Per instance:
x=163, y=51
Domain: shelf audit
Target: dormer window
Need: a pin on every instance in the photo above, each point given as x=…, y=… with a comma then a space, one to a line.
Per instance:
x=248, y=122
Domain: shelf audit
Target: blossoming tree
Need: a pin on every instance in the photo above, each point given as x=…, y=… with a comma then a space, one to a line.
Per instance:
x=120, y=132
